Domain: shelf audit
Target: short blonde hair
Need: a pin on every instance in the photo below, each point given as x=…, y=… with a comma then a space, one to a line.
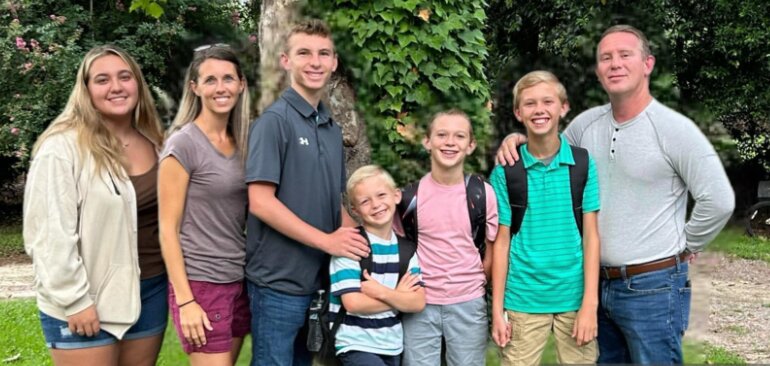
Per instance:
x=366, y=172
x=451, y=112
x=536, y=77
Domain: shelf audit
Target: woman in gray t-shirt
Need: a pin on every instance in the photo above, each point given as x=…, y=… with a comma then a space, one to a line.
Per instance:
x=202, y=208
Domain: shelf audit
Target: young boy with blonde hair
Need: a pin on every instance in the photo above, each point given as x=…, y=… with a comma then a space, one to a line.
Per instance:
x=545, y=269
x=375, y=290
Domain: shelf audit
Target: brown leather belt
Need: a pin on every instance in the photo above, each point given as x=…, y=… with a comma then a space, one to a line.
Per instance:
x=611, y=273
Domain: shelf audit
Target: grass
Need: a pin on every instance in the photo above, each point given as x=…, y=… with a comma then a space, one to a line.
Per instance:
x=11, y=242
x=721, y=356
x=733, y=241
x=23, y=343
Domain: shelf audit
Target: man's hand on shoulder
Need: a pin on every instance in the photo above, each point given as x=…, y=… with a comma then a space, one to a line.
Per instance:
x=346, y=242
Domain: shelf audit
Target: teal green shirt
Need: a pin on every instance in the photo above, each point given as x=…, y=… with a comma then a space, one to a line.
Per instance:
x=545, y=264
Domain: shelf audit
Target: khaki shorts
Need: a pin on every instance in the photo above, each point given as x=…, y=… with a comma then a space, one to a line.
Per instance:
x=529, y=334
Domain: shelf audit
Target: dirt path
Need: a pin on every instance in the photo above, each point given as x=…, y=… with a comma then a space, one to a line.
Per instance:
x=16, y=281
x=730, y=305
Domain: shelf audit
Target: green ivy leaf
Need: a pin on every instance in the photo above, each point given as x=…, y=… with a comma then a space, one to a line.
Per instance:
x=418, y=56
x=406, y=40
x=420, y=95
x=409, y=5
x=443, y=84
x=394, y=90
x=154, y=10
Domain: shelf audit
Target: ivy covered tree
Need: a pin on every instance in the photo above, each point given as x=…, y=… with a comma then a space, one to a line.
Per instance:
x=410, y=59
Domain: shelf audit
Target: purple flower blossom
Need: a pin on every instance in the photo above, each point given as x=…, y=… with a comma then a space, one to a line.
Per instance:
x=20, y=43
x=253, y=38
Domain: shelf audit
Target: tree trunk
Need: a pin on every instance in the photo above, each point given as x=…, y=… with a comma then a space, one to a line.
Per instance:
x=341, y=99
x=275, y=22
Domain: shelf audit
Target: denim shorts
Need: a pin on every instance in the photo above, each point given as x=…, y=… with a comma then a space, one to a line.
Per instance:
x=154, y=316
x=227, y=307
x=152, y=321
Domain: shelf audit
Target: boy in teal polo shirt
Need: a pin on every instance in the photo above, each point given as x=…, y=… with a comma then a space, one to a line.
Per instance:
x=545, y=276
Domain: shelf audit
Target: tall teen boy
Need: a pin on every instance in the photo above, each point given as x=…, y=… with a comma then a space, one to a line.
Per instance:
x=544, y=275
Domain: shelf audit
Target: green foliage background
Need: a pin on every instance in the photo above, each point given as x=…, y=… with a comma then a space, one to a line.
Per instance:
x=43, y=41
x=411, y=59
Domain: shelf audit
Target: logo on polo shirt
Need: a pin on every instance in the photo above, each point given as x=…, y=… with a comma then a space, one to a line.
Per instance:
x=304, y=141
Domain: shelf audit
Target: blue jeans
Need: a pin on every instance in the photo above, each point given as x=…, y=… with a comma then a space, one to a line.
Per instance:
x=356, y=358
x=642, y=318
x=276, y=321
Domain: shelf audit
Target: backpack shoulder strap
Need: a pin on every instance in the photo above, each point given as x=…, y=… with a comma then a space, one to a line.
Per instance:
x=516, y=181
x=366, y=262
x=476, y=195
x=578, y=177
x=406, y=249
x=407, y=208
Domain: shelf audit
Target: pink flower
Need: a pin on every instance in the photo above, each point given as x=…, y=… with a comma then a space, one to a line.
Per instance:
x=27, y=66
x=33, y=42
x=52, y=16
x=18, y=153
x=253, y=38
x=20, y=43
x=15, y=131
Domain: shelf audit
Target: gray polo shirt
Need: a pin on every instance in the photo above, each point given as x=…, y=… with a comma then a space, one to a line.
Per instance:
x=300, y=150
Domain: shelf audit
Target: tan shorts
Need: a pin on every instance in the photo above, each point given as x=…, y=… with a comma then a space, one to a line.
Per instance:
x=529, y=334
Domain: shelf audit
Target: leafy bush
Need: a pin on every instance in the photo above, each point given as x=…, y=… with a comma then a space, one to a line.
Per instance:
x=42, y=42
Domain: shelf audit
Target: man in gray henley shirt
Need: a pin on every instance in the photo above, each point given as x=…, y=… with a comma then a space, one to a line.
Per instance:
x=648, y=157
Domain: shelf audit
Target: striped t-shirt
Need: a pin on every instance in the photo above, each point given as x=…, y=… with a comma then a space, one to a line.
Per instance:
x=545, y=266
x=379, y=333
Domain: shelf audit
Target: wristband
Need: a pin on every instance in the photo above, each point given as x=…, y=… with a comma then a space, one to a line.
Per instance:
x=187, y=303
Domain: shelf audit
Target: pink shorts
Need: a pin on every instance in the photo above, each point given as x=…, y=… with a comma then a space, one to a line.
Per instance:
x=227, y=306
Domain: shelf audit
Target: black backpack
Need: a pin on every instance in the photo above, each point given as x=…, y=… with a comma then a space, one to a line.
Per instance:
x=475, y=194
x=406, y=250
x=516, y=179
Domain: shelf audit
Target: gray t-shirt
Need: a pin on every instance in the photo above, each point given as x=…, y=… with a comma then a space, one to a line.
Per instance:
x=212, y=233
x=646, y=166
x=299, y=150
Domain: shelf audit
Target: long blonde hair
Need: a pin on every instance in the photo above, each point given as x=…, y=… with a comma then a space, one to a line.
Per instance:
x=190, y=107
x=93, y=136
